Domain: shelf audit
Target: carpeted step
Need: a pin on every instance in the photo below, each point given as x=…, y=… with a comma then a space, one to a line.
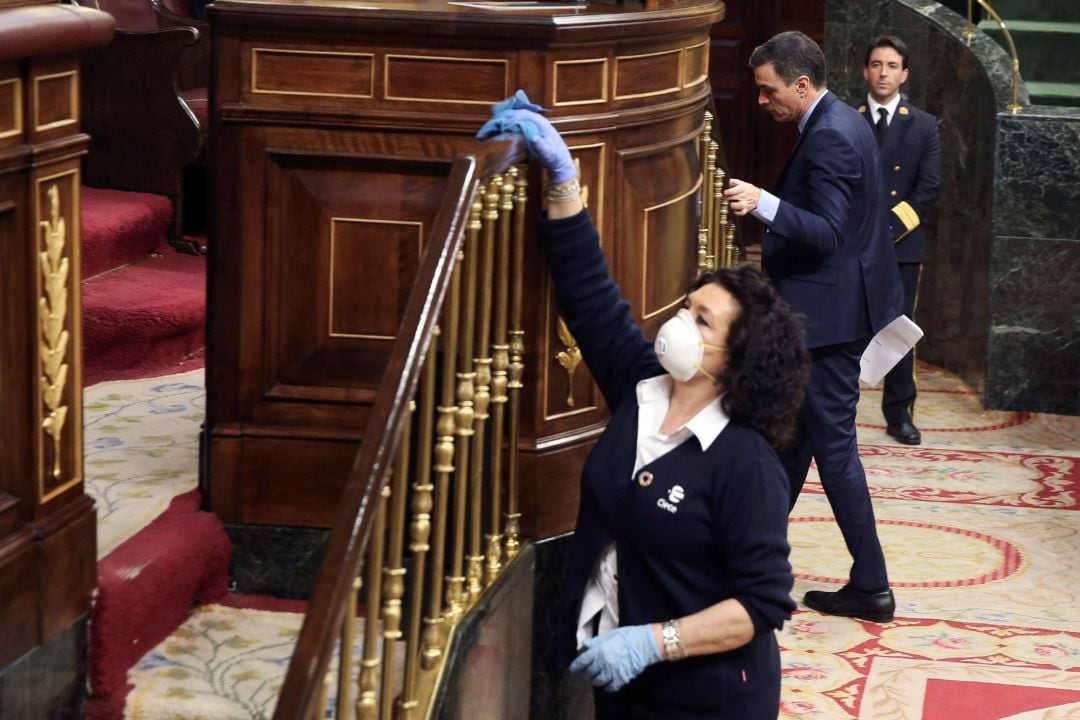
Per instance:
x=227, y=662
x=121, y=227
x=146, y=589
x=145, y=319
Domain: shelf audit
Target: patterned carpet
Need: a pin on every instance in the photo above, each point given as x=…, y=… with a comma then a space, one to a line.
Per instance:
x=142, y=449
x=979, y=526
x=982, y=539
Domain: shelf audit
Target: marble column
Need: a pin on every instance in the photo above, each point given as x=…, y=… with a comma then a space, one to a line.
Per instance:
x=1033, y=359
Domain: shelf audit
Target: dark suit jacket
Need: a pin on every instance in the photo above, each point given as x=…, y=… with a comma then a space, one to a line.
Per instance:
x=911, y=159
x=828, y=250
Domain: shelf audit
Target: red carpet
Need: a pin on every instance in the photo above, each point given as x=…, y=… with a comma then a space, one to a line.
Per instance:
x=145, y=320
x=121, y=227
x=146, y=589
x=951, y=699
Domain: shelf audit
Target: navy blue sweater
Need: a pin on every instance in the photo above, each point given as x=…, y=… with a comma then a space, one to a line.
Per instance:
x=726, y=538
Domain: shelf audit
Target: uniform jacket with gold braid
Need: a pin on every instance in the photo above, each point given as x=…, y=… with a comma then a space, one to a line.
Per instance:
x=911, y=160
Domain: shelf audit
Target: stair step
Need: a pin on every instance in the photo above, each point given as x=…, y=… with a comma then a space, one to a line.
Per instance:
x=146, y=588
x=1049, y=93
x=227, y=663
x=1060, y=10
x=144, y=319
x=121, y=227
x=1049, y=51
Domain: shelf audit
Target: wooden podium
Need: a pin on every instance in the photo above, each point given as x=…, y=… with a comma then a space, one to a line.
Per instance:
x=48, y=559
x=333, y=124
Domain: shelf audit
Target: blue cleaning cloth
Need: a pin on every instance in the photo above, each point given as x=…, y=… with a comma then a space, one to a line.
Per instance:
x=501, y=122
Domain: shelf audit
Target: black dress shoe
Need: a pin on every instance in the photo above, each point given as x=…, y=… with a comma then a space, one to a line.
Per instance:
x=904, y=432
x=849, y=602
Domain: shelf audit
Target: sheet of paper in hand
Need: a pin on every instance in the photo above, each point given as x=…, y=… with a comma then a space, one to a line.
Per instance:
x=886, y=348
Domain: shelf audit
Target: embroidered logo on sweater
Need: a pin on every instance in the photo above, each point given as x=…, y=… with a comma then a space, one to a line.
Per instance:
x=674, y=496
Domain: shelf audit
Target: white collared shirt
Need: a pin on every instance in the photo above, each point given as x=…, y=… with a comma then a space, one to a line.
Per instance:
x=654, y=398
x=890, y=108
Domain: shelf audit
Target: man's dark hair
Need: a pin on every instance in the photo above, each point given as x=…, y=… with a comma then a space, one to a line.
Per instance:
x=889, y=41
x=768, y=364
x=792, y=54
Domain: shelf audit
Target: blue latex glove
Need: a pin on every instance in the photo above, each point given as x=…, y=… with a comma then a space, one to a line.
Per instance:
x=614, y=658
x=543, y=142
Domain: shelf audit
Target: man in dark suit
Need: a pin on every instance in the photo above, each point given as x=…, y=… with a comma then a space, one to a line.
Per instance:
x=827, y=249
x=911, y=159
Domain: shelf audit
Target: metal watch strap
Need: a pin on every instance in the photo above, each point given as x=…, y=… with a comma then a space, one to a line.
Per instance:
x=673, y=646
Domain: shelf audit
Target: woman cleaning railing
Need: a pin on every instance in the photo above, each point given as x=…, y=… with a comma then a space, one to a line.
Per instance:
x=432, y=460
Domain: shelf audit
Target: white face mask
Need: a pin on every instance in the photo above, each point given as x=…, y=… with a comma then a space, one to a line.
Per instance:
x=680, y=348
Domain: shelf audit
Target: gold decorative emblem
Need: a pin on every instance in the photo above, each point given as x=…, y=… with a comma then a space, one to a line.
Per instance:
x=903, y=111
x=862, y=108
x=584, y=188
x=569, y=358
x=52, y=313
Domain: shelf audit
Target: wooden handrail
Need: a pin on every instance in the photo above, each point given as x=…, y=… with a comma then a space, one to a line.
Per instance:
x=300, y=693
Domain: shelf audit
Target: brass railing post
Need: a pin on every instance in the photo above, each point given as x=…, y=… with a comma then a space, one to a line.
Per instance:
x=517, y=370
x=394, y=572
x=500, y=365
x=444, y=458
x=1014, y=106
x=366, y=703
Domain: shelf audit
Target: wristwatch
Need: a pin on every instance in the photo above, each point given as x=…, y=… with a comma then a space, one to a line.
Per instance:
x=673, y=646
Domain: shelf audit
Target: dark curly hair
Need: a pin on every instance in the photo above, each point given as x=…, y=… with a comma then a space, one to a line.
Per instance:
x=768, y=364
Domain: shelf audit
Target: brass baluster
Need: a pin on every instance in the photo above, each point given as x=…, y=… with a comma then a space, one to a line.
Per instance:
x=444, y=465
x=324, y=693
x=517, y=369
x=366, y=703
x=467, y=501
x=348, y=630
x=708, y=167
x=394, y=574
x=455, y=581
x=500, y=351
x=702, y=249
x=419, y=536
x=720, y=213
x=483, y=363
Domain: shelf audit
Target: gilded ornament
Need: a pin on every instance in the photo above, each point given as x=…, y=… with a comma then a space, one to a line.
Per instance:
x=569, y=358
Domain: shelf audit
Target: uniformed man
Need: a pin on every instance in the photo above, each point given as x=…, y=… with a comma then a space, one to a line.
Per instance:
x=911, y=161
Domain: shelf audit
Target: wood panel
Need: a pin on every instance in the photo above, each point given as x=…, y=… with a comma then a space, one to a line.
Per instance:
x=334, y=172
x=47, y=523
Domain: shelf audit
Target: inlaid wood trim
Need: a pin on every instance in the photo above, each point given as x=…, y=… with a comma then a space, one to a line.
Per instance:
x=333, y=258
x=257, y=52
x=465, y=61
x=622, y=59
x=10, y=127
x=72, y=77
x=645, y=312
x=604, y=71
x=704, y=74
